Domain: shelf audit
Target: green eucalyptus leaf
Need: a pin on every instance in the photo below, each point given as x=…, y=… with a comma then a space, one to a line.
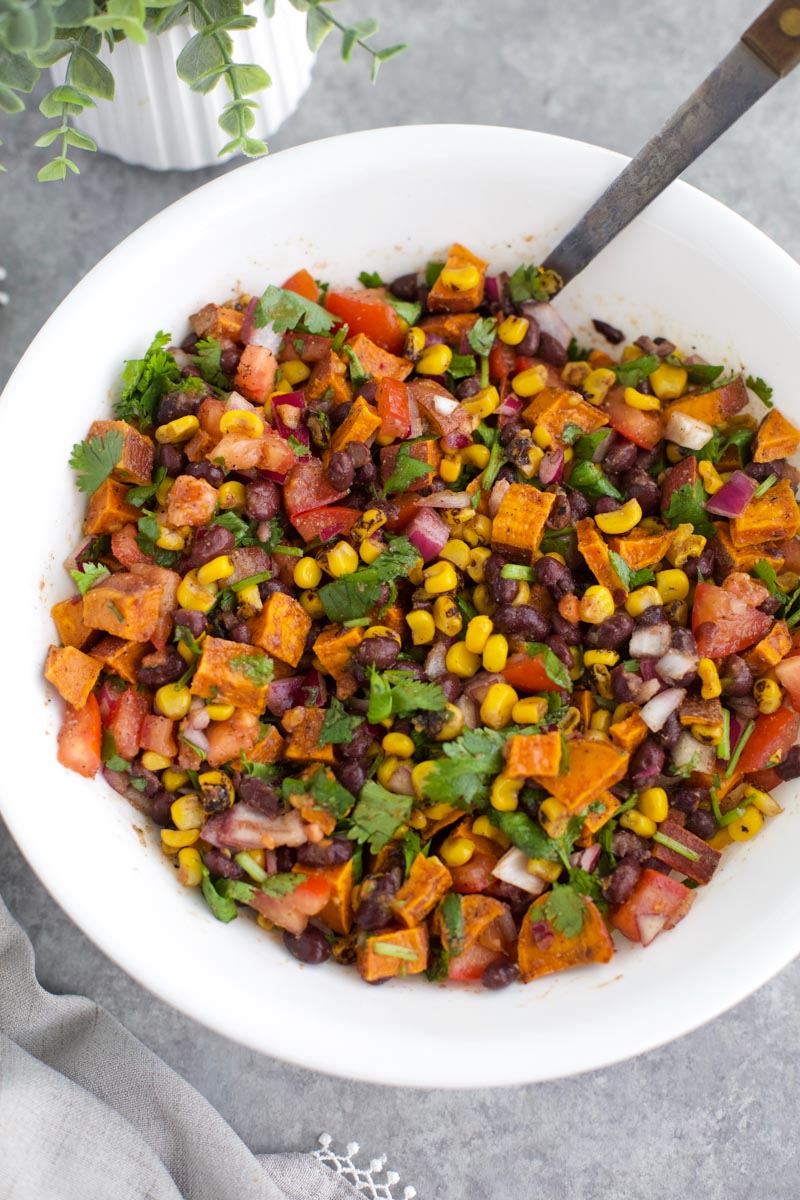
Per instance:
x=199, y=59
x=53, y=102
x=249, y=78
x=48, y=138
x=230, y=147
x=73, y=12
x=16, y=72
x=81, y=141
x=52, y=53
x=318, y=26
x=222, y=10
x=52, y=171
x=10, y=101
x=254, y=147
x=269, y=9
x=90, y=74
x=20, y=33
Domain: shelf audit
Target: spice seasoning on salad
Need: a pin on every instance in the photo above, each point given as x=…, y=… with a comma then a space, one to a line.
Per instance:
x=439, y=642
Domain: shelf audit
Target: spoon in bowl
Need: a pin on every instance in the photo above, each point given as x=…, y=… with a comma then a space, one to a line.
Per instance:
x=766, y=52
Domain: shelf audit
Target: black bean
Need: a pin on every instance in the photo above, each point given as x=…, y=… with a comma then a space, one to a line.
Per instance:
x=790, y=767
x=638, y=485
x=219, y=864
x=702, y=824
x=192, y=620
x=561, y=512
x=606, y=504
x=161, y=808
x=689, y=799
x=450, y=685
x=499, y=974
x=510, y=430
x=259, y=793
x=189, y=343
x=561, y=650
x=368, y=473
x=621, y=454
x=623, y=880
x=759, y=471
x=530, y=343
x=379, y=652
x=171, y=459
x=770, y=606
x=359, y=742
x=553, y=575
x=229, y=360
x=611, y=633
x=625, y=844
x=338, y=414
x=523, y=620
x=164, y=666
x=624, y=685
x=377, y=893
x=609, y=332
x=352, y=775
x=368, y=391
x=656, y=614
x=152, y=784
x=683, y=640
x=177, y=404
x=359, y=456
x=405, y=287
x=468, y=387
x=566, y=630
x=507, y=472
x=317, y=854
x=551, y=350
x=702, y=563
x=271, y=587
x=209, y=542
x=263, y=500
x=579, y=505
x=735, y=676
x=310, y=947
x=340, y=471
x=239, y=632
x=211, y=472
x=670, y=731
x=501, y=590
x=646, y=761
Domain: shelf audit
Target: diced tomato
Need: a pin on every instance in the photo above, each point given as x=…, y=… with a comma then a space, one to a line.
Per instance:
x=126, y=724
x=767, y=781
x=124, y=547
x=108, y=697
x=325, y=523
x=79, y=739
x=774, y=733
x=228, y=739
x=724, y=624
x=291, y=912
x=302, y=284
x=501, y=361
x=655, y=904
x=528, y=674
x=307, y=486
x=642, y=428
x=392, y=400
x=365, y=310
x=476, y=875
x=745, y=588
x=788, y=672
x=255, y=374
x=158, y=735
x=209, y=414
x=470, y=965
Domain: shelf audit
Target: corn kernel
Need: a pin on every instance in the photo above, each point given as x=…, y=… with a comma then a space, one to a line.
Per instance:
x=241, y=421
x=381, y=631
x=709, y=735
x=523, y=593
x=528, y=383
x=295, y=372
x=457, y=552
x=478, y=633
x=529, y=711
x=553, y=817
x=495, y=653
x=186, y=654
x=173, y=702
x=460, y=279
x=370, y=549
x=422, y=626
x=476, y=567
x=597, y=735
x=446, y=616
x=623, y=711
x=479, y=530
x=482, y=599
x=220, y=712
x=187, y=812
x=574, y=373
x=173, y=840
x=685, y=544
x=765, y=803
x=498, y=705
x=641, y=400
x=440, y=577
x=211, y=572
x=311, y=603
x=571, y=720
x=622, y=520
x=483, y=403
x=387, y=769
x=450, y=467
x=307, y=573
x=461, y=661
x=152, y=761
x=710, y=477
x=512, y=330
x=542, y=437
x=654, y=803
x=419, y=773
x=232, y=495
x=417, y=819
x=675, y=454
x=596, y=604
x=721, y=839
x=608, y=658
x=457, y=851
x=545, y=868
x=476, y=455
x=597, y=384
x=415, y=343
x=767, y=695
x=642, y=598
x=172, y=779
x=672, y=585
x=434, y=360
x=170, y=539
x=600, y=721
x=637, y=822
x=163, y=490
x=190, y=867
x=668, y=382
x=747, y=826
x=177, y=431
x=192, y=596
x=342, y=560
x=505, y=793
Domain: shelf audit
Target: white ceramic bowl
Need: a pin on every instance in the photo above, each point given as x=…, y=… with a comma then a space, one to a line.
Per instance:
x=385, y=200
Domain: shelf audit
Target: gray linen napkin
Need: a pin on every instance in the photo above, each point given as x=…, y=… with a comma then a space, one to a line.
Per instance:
x=88, y=1112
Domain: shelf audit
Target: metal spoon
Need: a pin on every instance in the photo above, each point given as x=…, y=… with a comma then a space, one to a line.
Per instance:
x=767, y=52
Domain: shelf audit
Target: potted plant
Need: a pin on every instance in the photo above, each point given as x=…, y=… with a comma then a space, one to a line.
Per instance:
x=164, y=61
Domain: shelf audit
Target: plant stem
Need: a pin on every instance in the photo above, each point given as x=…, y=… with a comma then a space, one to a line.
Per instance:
x=233, y=86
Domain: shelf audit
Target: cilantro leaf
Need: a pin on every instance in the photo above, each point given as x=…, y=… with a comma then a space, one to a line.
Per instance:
x=556, y=671
x=408, y=310
x=407, y=469
x=110, y=755
x=571, y=432
x=95, y=459
x=378, y=815
x=453, y=920
x=576, y=352
x=586, y=444
x=461, y=366
x=761, y=389
x=532, y=283
x=687, y=506
x=718, y=383
x=765, y=571
x=482, y=335
x=698, y=372
x=338, y=726
x=236, y=889
x=145, y=380
x=357, y=373
x=283, y=883
x=588, y=479
x=324, y=790
x=222, y=907
x=257, y=770
x=149, y=532
x=355, y=595
x=464, y=775
x=564, y=908
x=286, y=310
x=411, y=845
x=371, y=279
x=208, y=362
x=526, y=834
x=92, y=573
x=438, y=965
x=140, y=495
x=629, y=578
x=432, y=272
x=413, y=696
x=631, y=373
x=258, y=668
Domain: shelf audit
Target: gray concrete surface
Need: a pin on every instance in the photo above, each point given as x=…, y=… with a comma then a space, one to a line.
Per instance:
x=713, y=1114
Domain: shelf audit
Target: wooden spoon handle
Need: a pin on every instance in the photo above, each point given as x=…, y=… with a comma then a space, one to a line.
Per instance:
x=775, y=36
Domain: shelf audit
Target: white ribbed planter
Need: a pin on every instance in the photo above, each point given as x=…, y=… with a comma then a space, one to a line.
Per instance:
x=155, y=121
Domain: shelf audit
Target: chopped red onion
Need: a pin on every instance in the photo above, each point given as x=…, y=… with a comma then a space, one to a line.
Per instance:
x=650, y=641
x=733, y=497
x=551, y=468
x=649, y=926
x=417, y=425
x=647, y=669
x=467, y=706
x=435, y=665
x=658, y=710
x=549, y=320
x=496, y=496
x=511, y=406
x=445, y=500
x=676, y=665
x=542, y=934
x=444, y=405
x=587, y=859
x=648, y=689
x=237, y=403
x=313, y=689
x=477, y=687
x=491, y=286
x=513, y=868
x=246, y=828
x=196, y=738
x=266, y=336
x=688, y=752
x=456, y=440
x=400, y=781
x=687, y=431
x=247, y=321
x=427, y=532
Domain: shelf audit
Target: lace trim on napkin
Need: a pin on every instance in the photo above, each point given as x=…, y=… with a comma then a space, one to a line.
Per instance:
x=363, y=1179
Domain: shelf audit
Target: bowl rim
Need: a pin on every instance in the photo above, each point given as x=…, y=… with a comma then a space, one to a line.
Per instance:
x=767, y=960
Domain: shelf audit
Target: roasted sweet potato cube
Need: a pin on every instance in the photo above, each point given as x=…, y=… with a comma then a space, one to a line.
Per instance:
x=767, y=518
x=701, y=861
x=393, y=952
x=310, y=347
x=628, y=733
x=643, y=547
x=451, y=327
x=695, y=711
x=119, y=657
x=596, y=555
x=424, y=451
x=445, y=298
x=533, y=754
x=594, y=767
x=329, y=372
x=135, y=464
x=743, y=558
x=428, y=881
x=338, y=912
x=376, y=361
x=770, y=650
x=217, y=321
x=519, y=523
x=714, y=408
x=441, y=419
x=68, y=618
x=304, y=726
x=478, y=913
x=255, y=374
x=168, y=582
x=281, y=628
x=334, y=648
x=199, y=447
x=126, y=605
x=191, y=501
x=107, y=510
x=72, y=673
x=360, y=425
x=776, y=438
x=269, y=748
x=543, y=950
x=595, y=821
x=232, y=673
x=229, y=740
x=556, y=407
